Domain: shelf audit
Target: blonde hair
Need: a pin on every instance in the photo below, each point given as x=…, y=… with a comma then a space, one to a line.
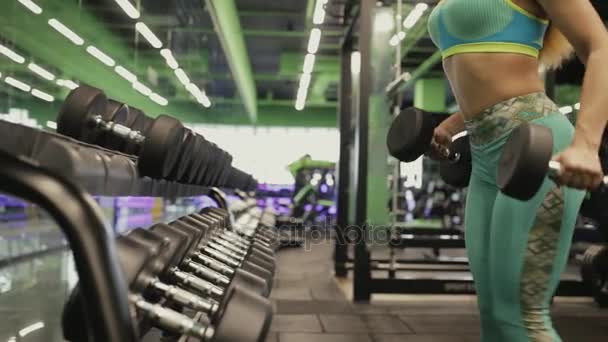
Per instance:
x=556, y=49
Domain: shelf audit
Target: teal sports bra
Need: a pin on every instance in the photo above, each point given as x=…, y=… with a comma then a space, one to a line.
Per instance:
x=466, y=26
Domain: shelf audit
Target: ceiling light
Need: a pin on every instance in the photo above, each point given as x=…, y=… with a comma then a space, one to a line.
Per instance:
x=401, y=35
x=394, y=41
x=40, y=71
x=102, y=57
x=66, y=32
x=301, y=98
x=67, y=84
x=15, y=57
x=422, y=6
x=32, y=6
x=305, y=81
x=128, y=8
x=577, y=106
x=309, y=63
x=384, y=21
x=145, y=31
x=17, y=84
x=140, y=87
x=126, y=74
x=193, y=89
x=315, y=40
x=51, y=124
x=159, y=99
x=415, y=15
x=319, y=13
x=42, y=95
x=168, y=55
x=182, y=77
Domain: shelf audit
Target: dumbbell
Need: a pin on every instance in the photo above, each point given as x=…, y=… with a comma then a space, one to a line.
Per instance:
x=81, y=117
x=526, y=161
x=204, y=250
x=410, y=136
x=140, y=262
x=209, y=216
x=184, y=242
x=237, y=249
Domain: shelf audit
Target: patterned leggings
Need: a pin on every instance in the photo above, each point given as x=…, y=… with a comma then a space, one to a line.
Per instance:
x=517, y=249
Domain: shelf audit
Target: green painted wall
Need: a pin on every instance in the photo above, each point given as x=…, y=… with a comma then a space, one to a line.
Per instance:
x=430, y=95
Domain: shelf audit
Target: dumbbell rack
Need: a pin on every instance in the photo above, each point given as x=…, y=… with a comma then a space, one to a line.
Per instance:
x=60, y=175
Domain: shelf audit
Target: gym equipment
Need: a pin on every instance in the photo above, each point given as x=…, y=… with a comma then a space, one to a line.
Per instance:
x=594, y=271
x=81, y=118
x=183, y=242
x=457, y=171
x=526, y=161
x=411, y=133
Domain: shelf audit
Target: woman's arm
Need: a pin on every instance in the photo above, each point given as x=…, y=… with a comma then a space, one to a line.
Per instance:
x=454, y=124
x=580, y=23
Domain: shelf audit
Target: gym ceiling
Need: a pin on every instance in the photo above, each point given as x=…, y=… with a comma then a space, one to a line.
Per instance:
x=248, y=64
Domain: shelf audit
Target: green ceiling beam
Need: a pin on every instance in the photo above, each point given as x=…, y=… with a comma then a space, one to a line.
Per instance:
x=249, y=32
x=228, y=27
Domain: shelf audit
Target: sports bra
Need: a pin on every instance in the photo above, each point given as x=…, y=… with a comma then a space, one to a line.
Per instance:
x=466, y=26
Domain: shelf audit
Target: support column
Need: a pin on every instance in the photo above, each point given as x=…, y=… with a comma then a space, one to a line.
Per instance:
x=344, y=164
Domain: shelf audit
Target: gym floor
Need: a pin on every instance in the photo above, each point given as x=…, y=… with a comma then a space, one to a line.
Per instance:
x=310, y=305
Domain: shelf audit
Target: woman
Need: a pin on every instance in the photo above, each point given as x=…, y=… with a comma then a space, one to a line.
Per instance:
x=492, y=52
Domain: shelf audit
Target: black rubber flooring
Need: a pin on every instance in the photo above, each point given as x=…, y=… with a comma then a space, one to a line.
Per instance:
x=311, y=306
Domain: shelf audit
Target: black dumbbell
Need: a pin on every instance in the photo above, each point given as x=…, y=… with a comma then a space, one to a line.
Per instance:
x=140, y=263
x=81, y=117
x=215, y=222
x=410, y=136
x=204, y=264
x=236, y=248
x=253, y=263
x=526, y=161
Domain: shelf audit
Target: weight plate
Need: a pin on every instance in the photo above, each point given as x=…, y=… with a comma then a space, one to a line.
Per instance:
x=524, y=162
x=206, y=151
x=410, y=134
x=160, y=148
x=197, y=159
x=458, y=173
x=226, y=170
x=210, y=164
x=184, y=156
x=77, y=111
x=220, y=162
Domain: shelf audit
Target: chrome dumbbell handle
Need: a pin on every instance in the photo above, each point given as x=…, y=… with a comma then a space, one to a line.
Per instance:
x=220, y=256
x=206, y=273
x=215, y=265
x=172, y=320
x=118, y=130
x=198, y=284
x=184, y=297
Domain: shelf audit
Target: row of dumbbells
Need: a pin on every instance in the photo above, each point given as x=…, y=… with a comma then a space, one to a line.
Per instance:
x=198, y=278
x=164, y=147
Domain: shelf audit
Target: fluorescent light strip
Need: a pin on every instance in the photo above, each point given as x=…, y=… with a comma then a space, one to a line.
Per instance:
x=204, y=100
x=319, y=13
x=401, y=35
x=577, y=106
x=140, y=87
x=40, y=71
x=128, y=8
x=32, y=6
x=168, y=55
x=182, y=77
x=415, y=15
x=42, y=95
x=394, y=41
x=126, y=74
x=145, y=31
x=309, y=63
x=159, y=99
x=305, y=81
x=29, y=329
x=67, y=84
x=355, y=62
x=15, y=57
x=102, y=57
x=51, y=124
x=17, y=84
x=66, y=32
x=301, y=98
x=314, y=41
x=199, y=95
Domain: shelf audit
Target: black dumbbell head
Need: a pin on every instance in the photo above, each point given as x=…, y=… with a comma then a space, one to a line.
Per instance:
x=160, y=149
x=410, y=134
x=458, y=173
x=185, y=156
x=524, y=162
x=77, y=111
